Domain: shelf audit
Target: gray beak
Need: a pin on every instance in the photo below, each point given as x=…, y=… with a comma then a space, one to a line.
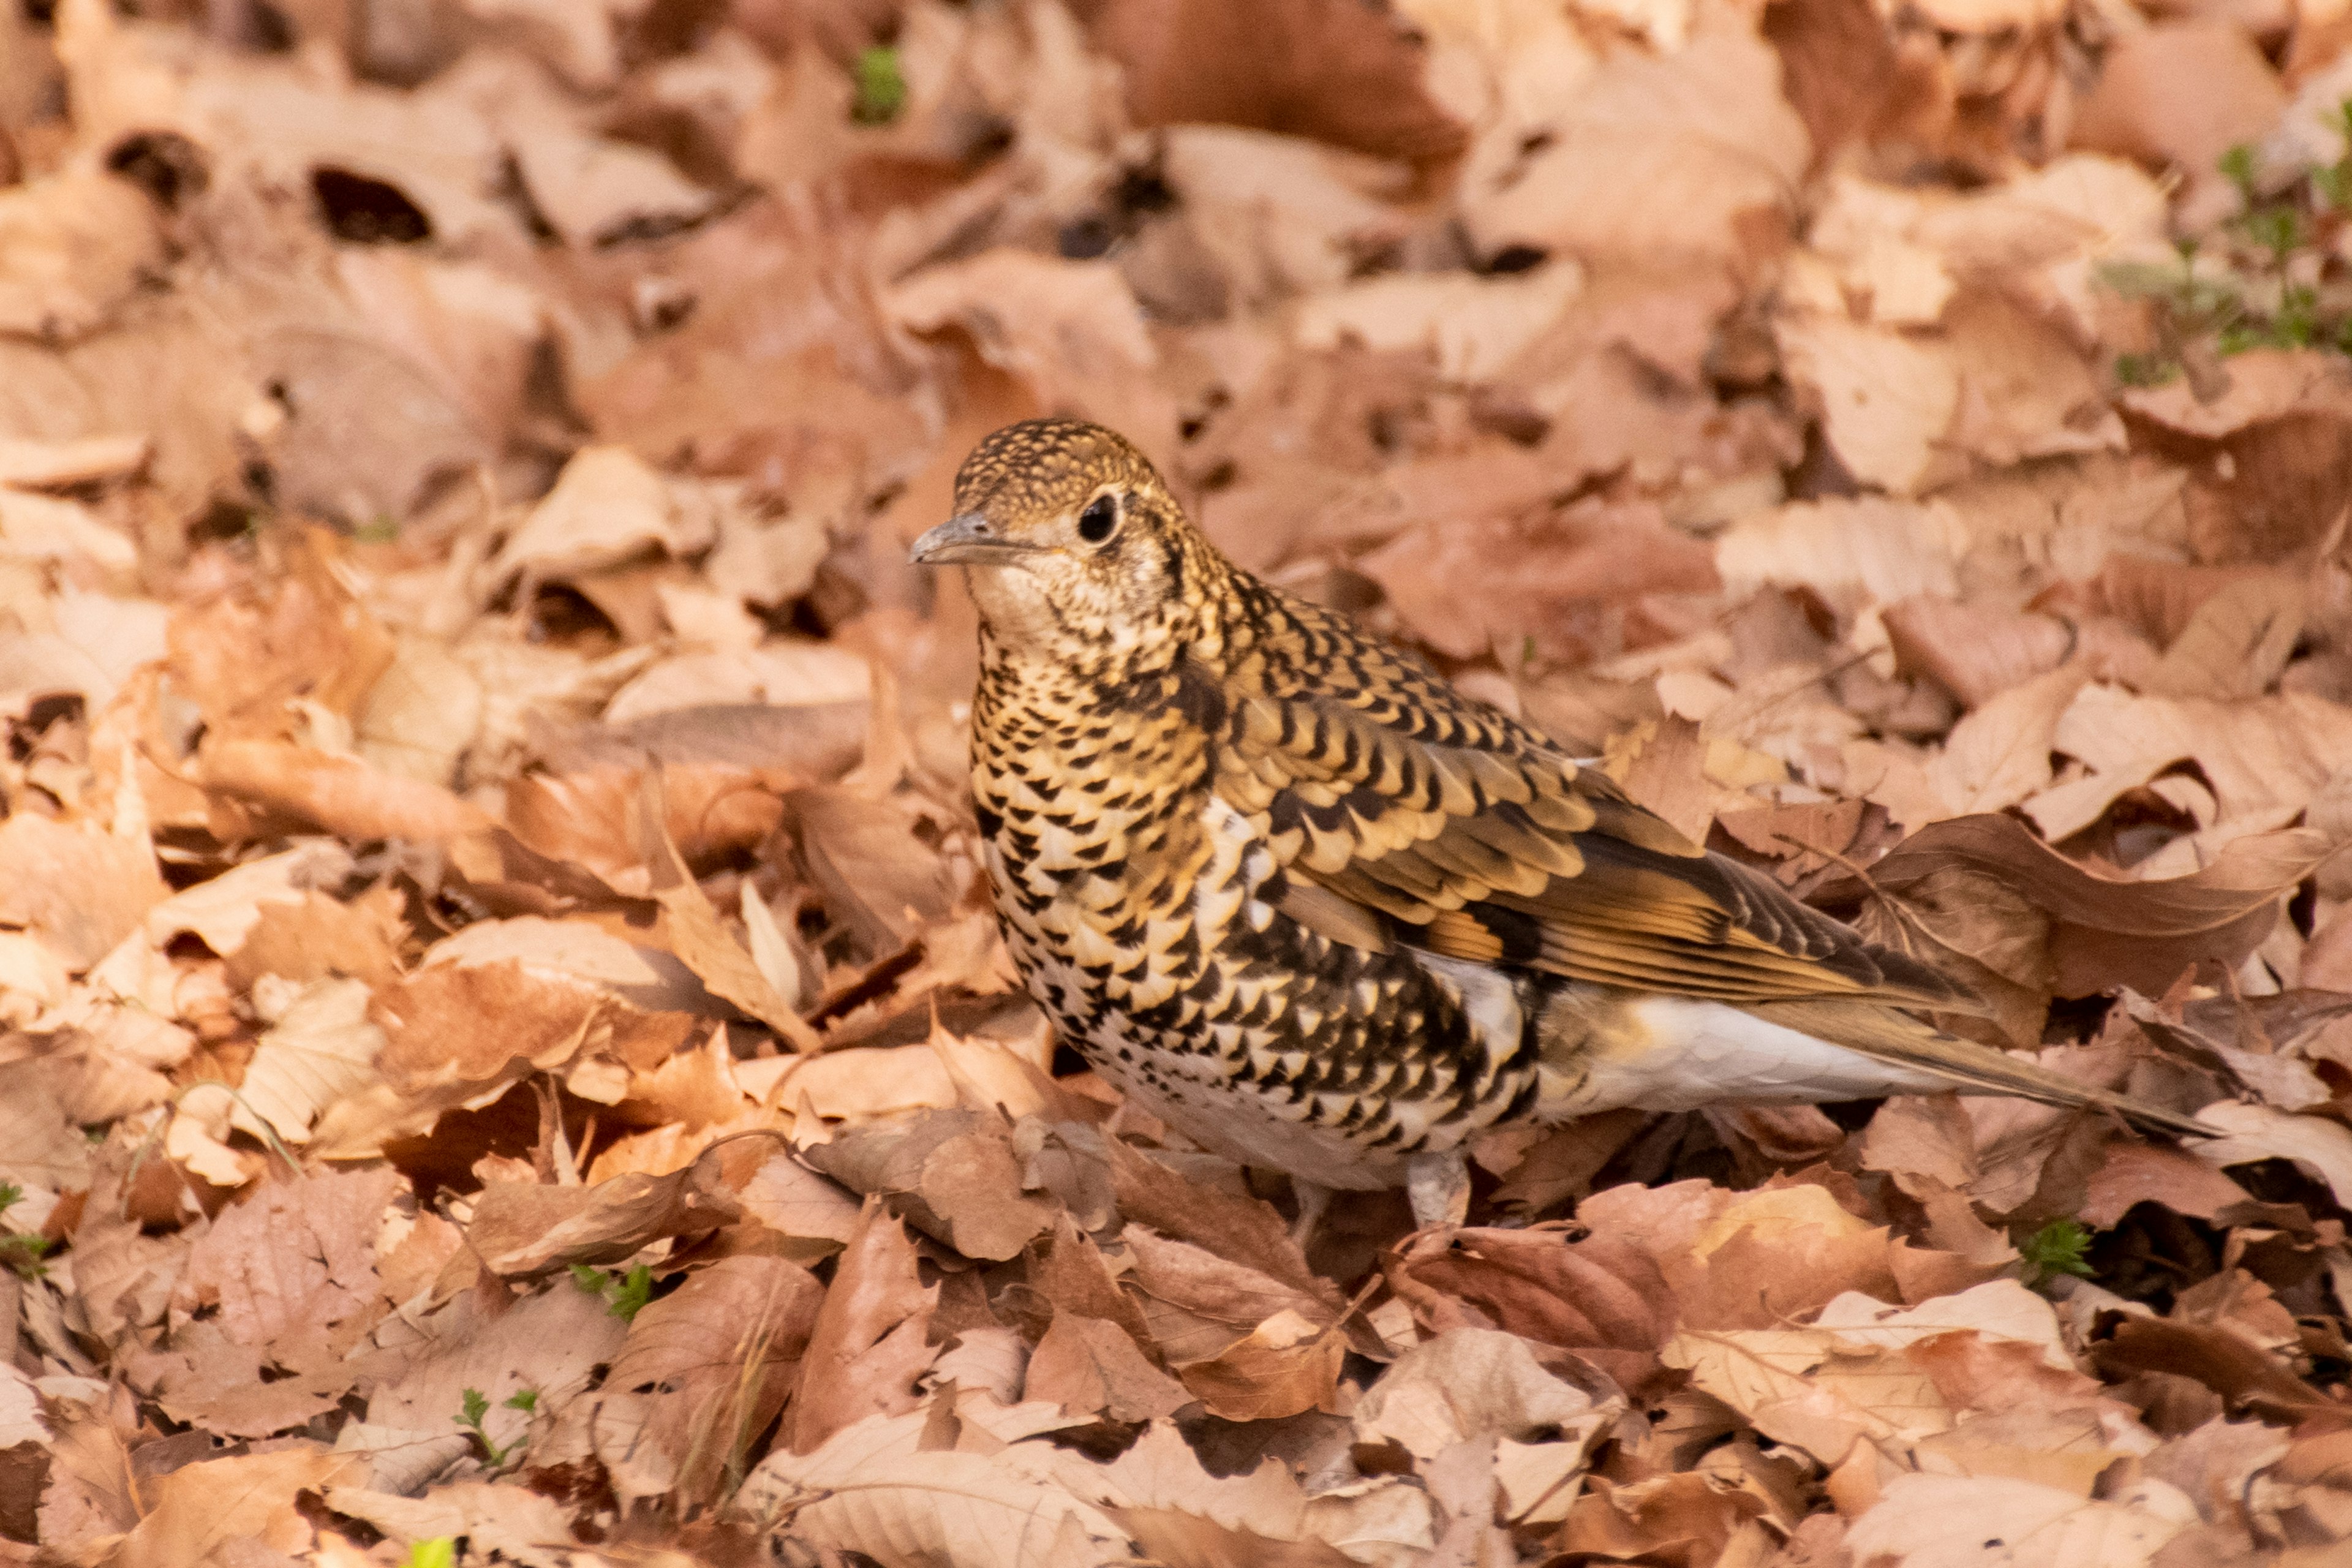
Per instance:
x=968, y=539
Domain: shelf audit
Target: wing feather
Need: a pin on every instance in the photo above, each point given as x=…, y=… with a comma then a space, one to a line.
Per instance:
x=1467, y=834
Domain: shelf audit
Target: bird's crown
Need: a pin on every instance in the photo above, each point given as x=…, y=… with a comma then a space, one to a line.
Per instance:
x=1041, y=467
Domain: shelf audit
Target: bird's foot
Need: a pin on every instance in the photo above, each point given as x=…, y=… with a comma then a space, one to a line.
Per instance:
x=1439, y=1185
x=1312, y=1201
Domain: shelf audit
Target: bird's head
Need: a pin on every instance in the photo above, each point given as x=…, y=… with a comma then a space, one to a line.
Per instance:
x=1074, y=545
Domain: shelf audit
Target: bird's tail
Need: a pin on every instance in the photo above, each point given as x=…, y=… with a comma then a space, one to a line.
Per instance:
x=1897, y=1037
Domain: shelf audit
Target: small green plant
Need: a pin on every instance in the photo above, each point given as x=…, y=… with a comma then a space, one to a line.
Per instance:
x=2062, y=1247
x=441, y=1552
x=19, y=1252
x=2266, y=278
x=881, y=89
x=474, y=1405
x=625, y=1297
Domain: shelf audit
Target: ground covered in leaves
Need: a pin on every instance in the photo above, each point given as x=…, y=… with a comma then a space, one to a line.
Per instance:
x=506, y=1054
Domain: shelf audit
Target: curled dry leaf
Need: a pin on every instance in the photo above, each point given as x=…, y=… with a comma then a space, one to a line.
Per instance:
x=870, y=1339
x=2105, y=931
x=1250, y=1346
x=318, y=1052
x=522, y=1230
x=1600, y=1297
x=1221, y=62
x=952, y=1174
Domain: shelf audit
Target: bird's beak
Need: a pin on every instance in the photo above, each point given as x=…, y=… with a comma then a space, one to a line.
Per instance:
x=968, y=539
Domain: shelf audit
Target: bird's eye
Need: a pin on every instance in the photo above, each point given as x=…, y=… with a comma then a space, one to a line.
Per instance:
x=1100, y=517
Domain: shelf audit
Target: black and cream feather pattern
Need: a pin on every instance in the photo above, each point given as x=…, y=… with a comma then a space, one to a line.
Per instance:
x=1324, y=913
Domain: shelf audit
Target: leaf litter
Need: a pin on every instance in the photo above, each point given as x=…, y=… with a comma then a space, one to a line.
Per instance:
x=504, y=1054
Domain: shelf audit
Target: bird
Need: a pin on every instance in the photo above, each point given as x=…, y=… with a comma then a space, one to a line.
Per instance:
x=1320, y=911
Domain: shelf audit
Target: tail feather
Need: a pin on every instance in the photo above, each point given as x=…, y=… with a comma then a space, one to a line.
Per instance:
x=1891, y=1036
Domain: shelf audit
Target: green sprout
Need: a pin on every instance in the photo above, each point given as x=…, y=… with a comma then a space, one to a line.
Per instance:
x=625, y=1297
x=881, y=86
x=474, y=1405
x=441, y=1552
x=2270, y=280
x=20, y=1253
x=2058, y=1247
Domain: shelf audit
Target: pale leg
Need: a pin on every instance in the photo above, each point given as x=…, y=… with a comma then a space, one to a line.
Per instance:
x=1439, y=1187
x=1312, y=1201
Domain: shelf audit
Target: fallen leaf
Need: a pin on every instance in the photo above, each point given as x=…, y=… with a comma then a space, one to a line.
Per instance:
x=1600, y=1298
x=1090, y=1367
x=868, y=1346
x=1468, y=1383
x=2106, y=931
x=1218, y=62
x=207, y=1508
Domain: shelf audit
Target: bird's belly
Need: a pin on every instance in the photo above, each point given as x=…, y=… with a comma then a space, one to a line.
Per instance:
x=1677, y=1053
x=1247, y=1124
x=1338, y=1083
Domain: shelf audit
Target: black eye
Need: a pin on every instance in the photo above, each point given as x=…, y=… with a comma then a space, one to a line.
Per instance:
x=1100, y=517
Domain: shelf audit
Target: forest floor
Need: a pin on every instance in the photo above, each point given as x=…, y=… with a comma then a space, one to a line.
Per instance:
x=505, y=1055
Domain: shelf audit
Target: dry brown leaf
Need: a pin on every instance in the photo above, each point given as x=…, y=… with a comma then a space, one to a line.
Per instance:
x=1600, y=1298
x=522, y=1230
x=77, y=887
x=2148, y=1173
x=1996, y=757
x=34, y=463
x=1920, y=1519
x=873, y=1487
x=868, y=1345
x=1691, y=1514
x=691, y=929
x=717, y=1357
x=211, y=1507
x=1090, y=1367
x=2104, y=931
x=1466, y=1383
x=2142, y=108
x=1973, y=651
x=1688, y=157
x=1285, y=1365
x=517, y=1523
x=1069, y=331
x=952, y=1174
x=319, y=1049
x=1472, y=586
x=72, y=249
x=1210, y=60
x=550, y=1344
x=291, y=1273
x=1196, y=1303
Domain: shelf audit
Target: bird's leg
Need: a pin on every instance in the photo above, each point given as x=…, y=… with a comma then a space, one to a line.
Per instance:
x=1312, y=1201
x=1439, y=1185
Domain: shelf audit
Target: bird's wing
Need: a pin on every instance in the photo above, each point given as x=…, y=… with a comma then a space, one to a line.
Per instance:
x=1475, y=840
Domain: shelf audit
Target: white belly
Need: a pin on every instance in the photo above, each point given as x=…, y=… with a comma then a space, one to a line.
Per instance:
x=1675, y=1053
